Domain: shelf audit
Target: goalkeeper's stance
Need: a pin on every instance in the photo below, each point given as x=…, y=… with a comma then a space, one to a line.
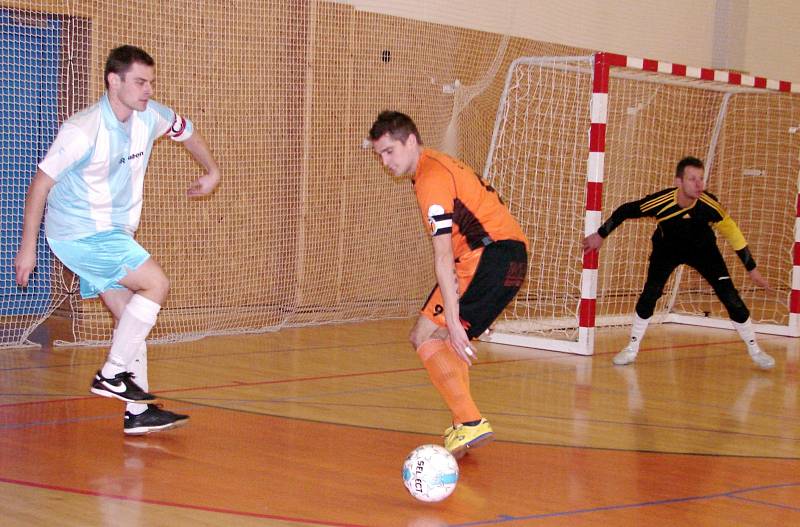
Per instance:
x=684, y=216
x=480, y=260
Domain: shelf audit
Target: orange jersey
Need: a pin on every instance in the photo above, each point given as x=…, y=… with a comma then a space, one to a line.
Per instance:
x=453, y=199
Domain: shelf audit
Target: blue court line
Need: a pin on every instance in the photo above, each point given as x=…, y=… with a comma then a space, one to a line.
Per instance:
x=732, y=494
x=769, y=503
x=546, y=378
x=314, y=398
x=540, y=377
x=308, y=400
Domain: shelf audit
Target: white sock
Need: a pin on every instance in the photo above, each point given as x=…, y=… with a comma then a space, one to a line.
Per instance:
x=745, y=331
x=135, y=324
x=110, y=369
x=139, y=369
x=637, y=331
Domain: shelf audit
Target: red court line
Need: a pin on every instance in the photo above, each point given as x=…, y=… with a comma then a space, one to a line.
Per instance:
x=406, y=370
x=257, y=383
x=317, y=378
x=173, y=504
x=358, y=374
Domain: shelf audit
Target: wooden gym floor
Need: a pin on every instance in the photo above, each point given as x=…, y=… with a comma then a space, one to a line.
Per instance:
x=309, y=427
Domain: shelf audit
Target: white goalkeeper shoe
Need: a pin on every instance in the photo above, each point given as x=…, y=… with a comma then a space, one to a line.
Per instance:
x=626, y=356
x=762, y=360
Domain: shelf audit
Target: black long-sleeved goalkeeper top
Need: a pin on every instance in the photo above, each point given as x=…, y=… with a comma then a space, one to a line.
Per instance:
x=683, y=228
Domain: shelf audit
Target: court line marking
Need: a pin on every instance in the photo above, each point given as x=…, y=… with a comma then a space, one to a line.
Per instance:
x=732, y=495
x=97, y=494
x=500, y=520
x=763, y=502
x=235, y=384
x=188, y=403
x=193, y=354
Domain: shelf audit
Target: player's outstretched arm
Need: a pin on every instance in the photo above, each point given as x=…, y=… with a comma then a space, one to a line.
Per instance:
x=206, y=183
x=623, y=212
x=25, y=260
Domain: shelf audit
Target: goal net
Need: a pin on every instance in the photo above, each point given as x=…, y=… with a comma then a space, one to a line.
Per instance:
x=306, y=227
x=575, y=137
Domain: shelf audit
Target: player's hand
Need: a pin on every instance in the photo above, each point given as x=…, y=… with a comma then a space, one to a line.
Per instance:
x=592, y=242
x=759, y=280
x=460, y=342
x=203, y=185
x=24, y=263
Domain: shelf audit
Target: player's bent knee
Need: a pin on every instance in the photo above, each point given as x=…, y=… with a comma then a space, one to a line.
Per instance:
x=165, y=286
x=162, y=289
x=425, y=329
x=158, y=282
x=417, y=337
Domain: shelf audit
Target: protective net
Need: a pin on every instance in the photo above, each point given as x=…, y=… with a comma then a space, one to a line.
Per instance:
x=539, y=162
x=306, y=227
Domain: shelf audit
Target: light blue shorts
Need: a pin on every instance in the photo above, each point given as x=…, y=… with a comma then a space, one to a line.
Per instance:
x=100, y=260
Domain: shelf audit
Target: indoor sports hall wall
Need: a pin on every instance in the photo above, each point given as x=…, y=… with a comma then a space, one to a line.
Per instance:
x=758, y=36
x=306, y=227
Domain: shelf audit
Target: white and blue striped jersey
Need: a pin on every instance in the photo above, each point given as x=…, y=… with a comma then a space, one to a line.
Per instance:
x=98, y=164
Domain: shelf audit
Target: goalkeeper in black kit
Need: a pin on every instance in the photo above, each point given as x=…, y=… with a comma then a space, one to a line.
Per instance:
x=685, y=215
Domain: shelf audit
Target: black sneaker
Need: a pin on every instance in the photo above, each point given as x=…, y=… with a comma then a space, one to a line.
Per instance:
x=154, y=419
x=120, y=387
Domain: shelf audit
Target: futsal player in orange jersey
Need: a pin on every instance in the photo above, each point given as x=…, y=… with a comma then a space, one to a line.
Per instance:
x=480, y=260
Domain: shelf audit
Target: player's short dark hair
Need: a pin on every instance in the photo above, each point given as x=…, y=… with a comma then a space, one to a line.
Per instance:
x=121, y=59
x=398, y=125
x=688, y=161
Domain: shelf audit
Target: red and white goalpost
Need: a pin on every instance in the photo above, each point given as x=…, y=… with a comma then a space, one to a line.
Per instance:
x=642, y=116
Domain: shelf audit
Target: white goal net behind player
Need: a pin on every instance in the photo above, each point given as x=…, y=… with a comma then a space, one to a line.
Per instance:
x=576, y=137
x=306, y=227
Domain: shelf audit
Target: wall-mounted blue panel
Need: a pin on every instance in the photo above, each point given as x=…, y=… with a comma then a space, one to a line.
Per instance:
x=30, y=51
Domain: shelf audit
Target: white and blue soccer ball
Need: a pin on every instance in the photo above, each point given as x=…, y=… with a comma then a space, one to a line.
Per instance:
x=430, y=473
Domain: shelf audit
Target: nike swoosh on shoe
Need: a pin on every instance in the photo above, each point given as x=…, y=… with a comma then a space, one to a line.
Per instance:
x=110, y=387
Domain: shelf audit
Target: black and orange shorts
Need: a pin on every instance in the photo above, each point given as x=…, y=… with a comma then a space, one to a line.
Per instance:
x=488, y=279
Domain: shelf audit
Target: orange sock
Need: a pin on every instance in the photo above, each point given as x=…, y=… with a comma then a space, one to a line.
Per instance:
x=462, y=366
x=450, y=376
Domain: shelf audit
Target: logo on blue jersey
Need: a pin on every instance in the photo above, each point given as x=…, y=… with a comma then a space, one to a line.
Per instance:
x=132, y=156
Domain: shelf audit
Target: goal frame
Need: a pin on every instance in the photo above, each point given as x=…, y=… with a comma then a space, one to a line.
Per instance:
x=587, y=322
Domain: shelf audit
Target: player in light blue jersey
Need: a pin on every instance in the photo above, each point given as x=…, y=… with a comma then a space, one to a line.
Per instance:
x=92, y=180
